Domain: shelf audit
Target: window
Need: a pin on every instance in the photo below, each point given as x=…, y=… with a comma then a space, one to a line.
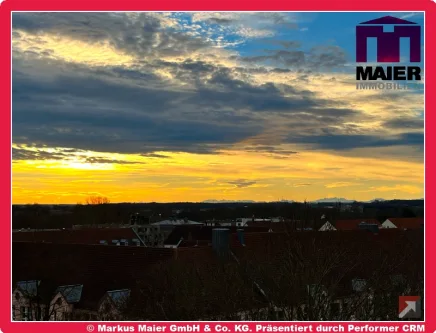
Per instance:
x=24, y=313
x=280, y=314
x=38, y=314
x=345, y=308
x=13, y=312
x=358, y=285
x=30, y=313
x=334, y=310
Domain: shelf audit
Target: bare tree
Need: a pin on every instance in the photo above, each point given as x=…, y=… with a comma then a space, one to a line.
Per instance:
x=96, y=200
x=182, y=290
x=308, y=280
x=305, y=276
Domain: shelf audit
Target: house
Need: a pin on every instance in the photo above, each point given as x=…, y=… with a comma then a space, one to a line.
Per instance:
x=354, y=224
x=327, y=227
x=241, y=275
x=404, y=223
x=26, y=303
x=64, y=300
x=175, y=221
x=244, y=221
x=74, y=278
x=113, y=303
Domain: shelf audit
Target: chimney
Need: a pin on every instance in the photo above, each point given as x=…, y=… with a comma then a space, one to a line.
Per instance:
x=220, y=241
x=241, y=239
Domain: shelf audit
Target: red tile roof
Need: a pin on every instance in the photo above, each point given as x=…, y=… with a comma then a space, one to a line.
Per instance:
x=407, y=222
x=80, y=236
x=353, y=224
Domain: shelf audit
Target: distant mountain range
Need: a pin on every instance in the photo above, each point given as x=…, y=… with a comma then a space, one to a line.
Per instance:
x=332, y=200
x=230, y=201
x=324, y=200
x=223, y=201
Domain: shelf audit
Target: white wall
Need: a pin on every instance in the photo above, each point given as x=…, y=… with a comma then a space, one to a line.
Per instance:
x=388, y=225
x=327, y=227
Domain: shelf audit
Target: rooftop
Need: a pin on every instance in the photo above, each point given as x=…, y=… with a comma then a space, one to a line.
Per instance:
x=193, y=283
x=353, y=224
x=77, y=236
x=407, y=222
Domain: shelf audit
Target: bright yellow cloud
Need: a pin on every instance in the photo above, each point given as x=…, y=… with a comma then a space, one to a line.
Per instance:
x=70, y=50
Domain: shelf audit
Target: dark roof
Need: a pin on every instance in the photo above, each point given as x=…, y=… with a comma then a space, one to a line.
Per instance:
x=388, y=20
x=192, y=233
x=80, y=236
x=193, y=283
x=99, y=268
x=353, y=224
x=407, y=222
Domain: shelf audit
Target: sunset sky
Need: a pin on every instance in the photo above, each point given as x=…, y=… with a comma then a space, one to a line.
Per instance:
x=166, y=107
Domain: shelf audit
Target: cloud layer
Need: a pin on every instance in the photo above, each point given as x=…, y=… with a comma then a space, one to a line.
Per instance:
x=154, y=86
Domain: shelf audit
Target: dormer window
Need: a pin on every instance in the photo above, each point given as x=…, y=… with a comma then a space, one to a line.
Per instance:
x=358, y=285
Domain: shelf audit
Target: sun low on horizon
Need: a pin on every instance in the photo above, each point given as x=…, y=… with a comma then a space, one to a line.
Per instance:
x=178, y=107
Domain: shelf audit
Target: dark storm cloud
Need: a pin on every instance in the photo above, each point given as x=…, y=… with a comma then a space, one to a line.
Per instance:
x=154, y=155
x=24, y=154
x=280, y=153
x=347, y=142
x=409, y=123
x=29, y=155
x=221, y=86
x=133, y=111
